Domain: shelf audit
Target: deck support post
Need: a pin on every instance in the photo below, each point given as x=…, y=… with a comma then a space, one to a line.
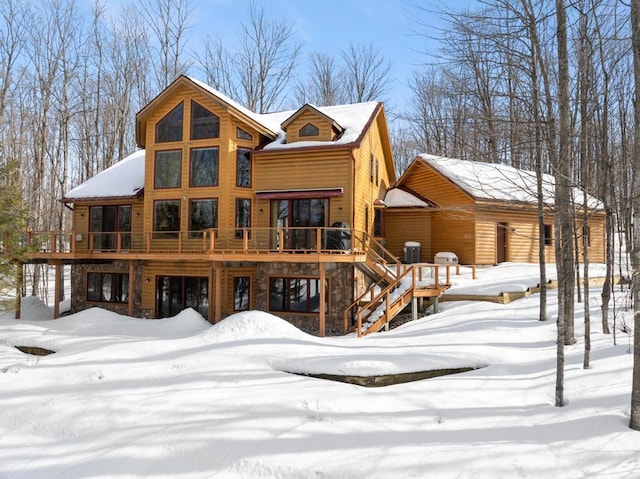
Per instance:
x=436, y=300
x=131, y=288
x=56, y=297
x=19, y=285
x=414, y=308
x=323, y=299
x=217, y=268
x=213, y=306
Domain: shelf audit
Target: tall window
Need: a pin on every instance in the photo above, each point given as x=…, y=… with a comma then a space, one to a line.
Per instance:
x=176, y=293
x=548, y=235
x=204, y=167
x=107, y=223
x=378, y=222
x=108, y=287
x=309, y=130
x=170, y=127
x=166, y=219
x=243, y=167
x=203, y=214
x=243, y=215
x=168, y=169
x=300, y=295
x=204, y=124
x=241, y=293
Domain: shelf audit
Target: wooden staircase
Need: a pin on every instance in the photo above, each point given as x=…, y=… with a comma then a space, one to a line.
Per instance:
x=395, y=285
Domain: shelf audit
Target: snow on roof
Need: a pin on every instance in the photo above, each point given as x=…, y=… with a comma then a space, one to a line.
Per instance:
x=397, y=198
x=267, y=120
x=123, y=179
x=353, y=118
x=491, y=181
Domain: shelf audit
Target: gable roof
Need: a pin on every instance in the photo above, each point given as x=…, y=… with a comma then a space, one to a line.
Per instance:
x=315, y=110
x=497, y=182
x=124, y=179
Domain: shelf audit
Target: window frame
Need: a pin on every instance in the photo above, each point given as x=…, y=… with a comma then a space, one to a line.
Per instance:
x=308, y=130
x=166, y=233
x=216, y=181
x=197, y=233
x=156, y=169
x=202, y=123
x=246, y=279
x=242, y=134
x=158, y=125
x=286, y=302
x=120, y=279
x=249, y=160
x=238, y=225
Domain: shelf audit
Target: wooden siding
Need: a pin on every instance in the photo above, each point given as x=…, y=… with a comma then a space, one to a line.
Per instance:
x=81, y=219
x=326, y=132
x=429, y=183
x=367, y=190
x=299, y=169
x=453, y=230
x=408, y=225
x=226, y=191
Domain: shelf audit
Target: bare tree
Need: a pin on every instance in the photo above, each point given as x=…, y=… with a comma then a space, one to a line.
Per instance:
x=634, y=422
x=325, y=82
x=169, y=22
x=367, y=73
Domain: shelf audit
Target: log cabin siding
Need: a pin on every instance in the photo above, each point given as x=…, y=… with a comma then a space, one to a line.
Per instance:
x=372, y=177
x=454, y=231
x=226, y=191
x=401, y=226
x=325, y=130
x=299, y=169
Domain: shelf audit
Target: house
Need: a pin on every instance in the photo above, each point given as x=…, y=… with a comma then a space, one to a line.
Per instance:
x=223, y=210
x=484, y=213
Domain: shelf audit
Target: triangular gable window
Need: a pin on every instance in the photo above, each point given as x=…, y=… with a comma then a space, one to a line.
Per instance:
x=309, y=130
x=170, y=127
x=204, y=124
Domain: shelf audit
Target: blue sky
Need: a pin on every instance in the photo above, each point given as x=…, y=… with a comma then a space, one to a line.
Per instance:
x=331, y=25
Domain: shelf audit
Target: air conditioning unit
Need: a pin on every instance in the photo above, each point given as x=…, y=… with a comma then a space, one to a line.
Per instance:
x=445, y=257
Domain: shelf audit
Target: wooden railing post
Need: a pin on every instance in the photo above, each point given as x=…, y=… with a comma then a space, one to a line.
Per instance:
x=359, y=323
x=245, y=240
x=318, y=239
x=280, y=239
x=437, y=276
x=147, y=240
x=448, y=274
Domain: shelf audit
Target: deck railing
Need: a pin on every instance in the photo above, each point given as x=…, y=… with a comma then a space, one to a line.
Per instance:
x=210, y=241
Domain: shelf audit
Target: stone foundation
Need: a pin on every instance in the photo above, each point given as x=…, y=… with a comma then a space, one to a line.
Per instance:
x=340, y=278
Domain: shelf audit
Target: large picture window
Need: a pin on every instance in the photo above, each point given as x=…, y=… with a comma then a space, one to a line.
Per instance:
x=170, y=127
x=204, y=124
x=168, y=169
x=243, y=168
x=301, y=295
x=241, y=293
x=177, y=293
x=203, y=214
x=108, y=287
x=166, y=219
x=106, y=223
x=204, y=167
x=243, y=215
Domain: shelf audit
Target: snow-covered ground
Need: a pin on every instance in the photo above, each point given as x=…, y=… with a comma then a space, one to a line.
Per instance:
x=178, y=398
